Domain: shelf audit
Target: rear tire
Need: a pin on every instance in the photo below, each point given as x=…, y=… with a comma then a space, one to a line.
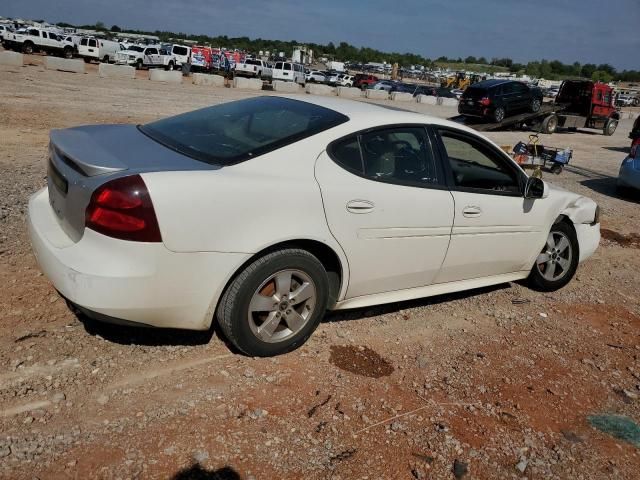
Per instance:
x=170, y=66
x=68, y=53
x=498, y=114
x=139, y=65
x=87, y=60
x=557, y=263
x=550, y=124
x=246, y=311
x=27, y=48
x=105, y=59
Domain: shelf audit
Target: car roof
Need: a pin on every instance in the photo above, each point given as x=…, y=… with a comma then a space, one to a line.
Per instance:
x=371, y=114
x=491, y=83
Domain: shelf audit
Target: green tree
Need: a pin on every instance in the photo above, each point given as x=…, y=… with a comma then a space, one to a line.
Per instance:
x=99, y=26
x=116, y=28
x=471, y=59
x=601, y=76
x=587, y=70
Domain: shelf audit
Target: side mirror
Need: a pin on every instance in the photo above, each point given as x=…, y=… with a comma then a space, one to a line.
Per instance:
x=535, y=188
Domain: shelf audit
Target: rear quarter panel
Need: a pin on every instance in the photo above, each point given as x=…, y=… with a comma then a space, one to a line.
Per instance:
x=244, y=207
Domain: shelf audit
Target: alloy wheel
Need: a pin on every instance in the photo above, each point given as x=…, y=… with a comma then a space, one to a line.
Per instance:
x=282, y=305
x=554, y=261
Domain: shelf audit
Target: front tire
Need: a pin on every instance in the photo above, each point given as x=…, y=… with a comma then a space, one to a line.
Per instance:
x=27, y=48
x=535, y=105
x=610, y=127
x=275, y=303
x=557, y=263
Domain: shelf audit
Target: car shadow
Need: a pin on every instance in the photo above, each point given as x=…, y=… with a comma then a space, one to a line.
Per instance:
x=587, y=172
x=150, y=337
x=607, y=186
x=618, y=149
x=197, y=472
x=155, y=337
x=376, y=310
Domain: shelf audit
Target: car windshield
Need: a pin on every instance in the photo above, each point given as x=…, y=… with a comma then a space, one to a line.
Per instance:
x=237, y=131
x=135, y=48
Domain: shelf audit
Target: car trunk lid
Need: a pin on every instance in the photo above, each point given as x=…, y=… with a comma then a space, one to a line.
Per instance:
x=83, y=158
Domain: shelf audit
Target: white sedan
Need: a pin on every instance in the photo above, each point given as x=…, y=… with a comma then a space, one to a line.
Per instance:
x=263, y=213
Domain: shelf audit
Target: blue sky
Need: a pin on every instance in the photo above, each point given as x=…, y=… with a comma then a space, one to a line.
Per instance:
x=593, y=31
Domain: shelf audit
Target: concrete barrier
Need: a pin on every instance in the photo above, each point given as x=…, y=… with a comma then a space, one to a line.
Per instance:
x=376, y=94
x=319, y=89
x=427, y=99
x=349, y=92
x=401, y=97
x=449, y=102
x=157, y=75
x=107, y=70
x=11, y=59
x=205, y=79
x=289, y=87
x=64, y=64
x=247, y=83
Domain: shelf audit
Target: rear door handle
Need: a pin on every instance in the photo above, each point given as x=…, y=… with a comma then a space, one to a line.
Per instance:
x=360, y=206
x=471, y=211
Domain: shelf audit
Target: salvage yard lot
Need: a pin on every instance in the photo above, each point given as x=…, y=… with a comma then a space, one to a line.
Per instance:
x=498, y=382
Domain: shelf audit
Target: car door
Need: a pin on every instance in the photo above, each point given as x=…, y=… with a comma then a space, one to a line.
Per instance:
x=151, y=57
x=522, y=96
x=387, y=206
x=505, y=93
x=495, y=230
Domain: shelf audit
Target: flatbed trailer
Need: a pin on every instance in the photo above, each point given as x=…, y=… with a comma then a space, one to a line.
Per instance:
x=544, y=120
x=579, y=104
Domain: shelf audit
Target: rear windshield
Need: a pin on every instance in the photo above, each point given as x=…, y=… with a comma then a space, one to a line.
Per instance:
x=237, y=131
x=475, y=92
x=253, y=62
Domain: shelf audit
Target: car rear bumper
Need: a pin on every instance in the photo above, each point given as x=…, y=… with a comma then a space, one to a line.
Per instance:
x=588, y=239
x=473, y=110
x=138, y=282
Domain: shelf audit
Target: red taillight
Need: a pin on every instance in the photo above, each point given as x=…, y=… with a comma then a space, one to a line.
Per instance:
x=486, y=101
x=122, y=209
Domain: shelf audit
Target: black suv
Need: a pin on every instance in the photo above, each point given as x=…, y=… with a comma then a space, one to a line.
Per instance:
x=497, y=99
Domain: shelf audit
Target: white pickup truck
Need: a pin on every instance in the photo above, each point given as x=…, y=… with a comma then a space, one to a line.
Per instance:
x=29, y=40
x=141, y=56
x=254, y=68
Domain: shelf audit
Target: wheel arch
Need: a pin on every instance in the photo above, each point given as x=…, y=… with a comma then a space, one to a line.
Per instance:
x=334, y=262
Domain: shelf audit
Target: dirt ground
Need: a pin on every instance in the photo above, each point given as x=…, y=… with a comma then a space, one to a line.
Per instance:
x=492, y=383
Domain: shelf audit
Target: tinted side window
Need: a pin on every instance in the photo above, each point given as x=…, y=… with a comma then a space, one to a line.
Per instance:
x=286, y=66
x=507, y=88
x=151, y=51
x=399, y=155
x=475, y=165
x=278, y=65
x=520, y=88
x=93, y=43
x=180, y=50
x=34, y=33
x=83, y=41
x=347, y=154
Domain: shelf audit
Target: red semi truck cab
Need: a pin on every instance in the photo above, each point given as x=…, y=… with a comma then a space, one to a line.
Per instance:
x=587, y=104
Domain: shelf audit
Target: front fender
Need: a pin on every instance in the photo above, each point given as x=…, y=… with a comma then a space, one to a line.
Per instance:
x=580, y=210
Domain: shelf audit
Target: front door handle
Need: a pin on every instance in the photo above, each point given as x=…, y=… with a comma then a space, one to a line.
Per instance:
x=360, y=206
x=471, y=211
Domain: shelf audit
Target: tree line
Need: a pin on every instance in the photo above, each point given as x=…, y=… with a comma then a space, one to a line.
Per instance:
x=548, y=69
